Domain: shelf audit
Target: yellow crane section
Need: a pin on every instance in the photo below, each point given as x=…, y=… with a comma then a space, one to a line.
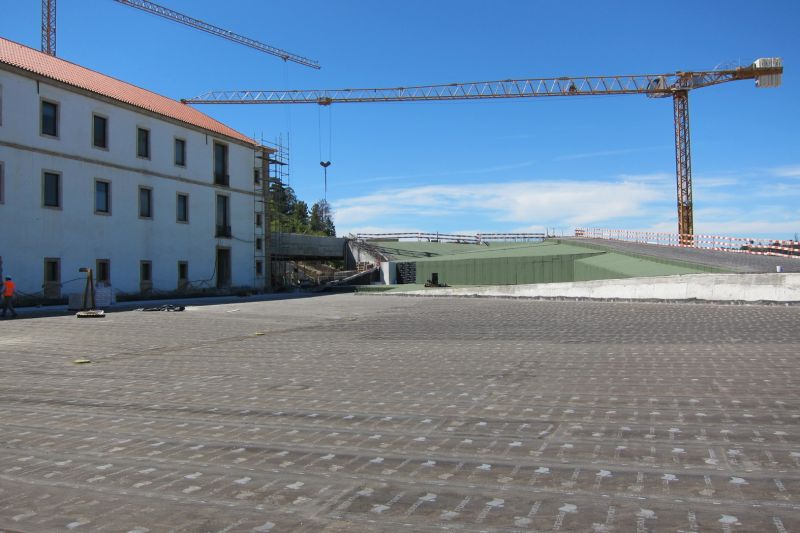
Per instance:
x=766, y=72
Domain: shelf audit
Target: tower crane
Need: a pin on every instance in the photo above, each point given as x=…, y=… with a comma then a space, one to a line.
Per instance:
x=766, y=72
x=49, y=30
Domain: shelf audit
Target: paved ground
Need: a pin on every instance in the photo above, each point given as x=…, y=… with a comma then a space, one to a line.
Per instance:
x=735, y=262
x=378, y=413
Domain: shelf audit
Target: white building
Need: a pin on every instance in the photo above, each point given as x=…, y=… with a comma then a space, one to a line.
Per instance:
x=98, y=173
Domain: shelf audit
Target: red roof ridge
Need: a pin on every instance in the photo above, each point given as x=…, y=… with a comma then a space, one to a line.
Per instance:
x=29, y=59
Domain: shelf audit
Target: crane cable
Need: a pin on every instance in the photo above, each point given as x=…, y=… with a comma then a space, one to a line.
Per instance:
x=325, y=164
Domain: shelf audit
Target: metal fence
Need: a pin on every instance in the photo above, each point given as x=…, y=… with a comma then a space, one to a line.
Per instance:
x=782, y=248
x=478, y=238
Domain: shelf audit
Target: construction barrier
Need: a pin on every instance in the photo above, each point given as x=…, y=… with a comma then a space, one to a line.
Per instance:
x=774, y=247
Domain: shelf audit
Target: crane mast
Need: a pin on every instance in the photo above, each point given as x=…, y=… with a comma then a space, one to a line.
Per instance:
x=766, y=72
x=49, y=27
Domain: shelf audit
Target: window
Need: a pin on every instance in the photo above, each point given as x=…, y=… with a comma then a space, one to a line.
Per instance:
x=145, y=202
x=221, y=164
x=49, y=125
x=52, y=270
x=146, y=271
x=259, y=268
x=183, y=274
x=99, y=131
x=182, y=208
x=102, y=271
x=143, y=143
x=51, y=189
x=180, y=152
x=102, y=197
x=258, y=220
x=256, y=176
x=259, y=243
x=223, y=217
x=52, y=277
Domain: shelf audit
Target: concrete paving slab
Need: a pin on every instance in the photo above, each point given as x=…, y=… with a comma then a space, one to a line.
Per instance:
x=351, y=413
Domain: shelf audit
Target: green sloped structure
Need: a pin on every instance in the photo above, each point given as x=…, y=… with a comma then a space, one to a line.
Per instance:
x=551, y=261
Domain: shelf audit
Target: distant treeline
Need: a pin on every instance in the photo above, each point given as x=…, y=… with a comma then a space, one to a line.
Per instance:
x=291, y=215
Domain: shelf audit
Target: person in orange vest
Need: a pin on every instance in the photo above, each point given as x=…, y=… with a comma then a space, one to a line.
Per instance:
x=8, y=297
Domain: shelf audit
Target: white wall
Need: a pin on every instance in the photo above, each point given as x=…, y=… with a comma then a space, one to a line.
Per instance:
x=30, y=232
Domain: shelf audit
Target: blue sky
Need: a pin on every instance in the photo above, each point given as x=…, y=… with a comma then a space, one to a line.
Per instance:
x=511, y=165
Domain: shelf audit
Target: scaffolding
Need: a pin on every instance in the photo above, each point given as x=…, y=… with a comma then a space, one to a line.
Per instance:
x=271, y=168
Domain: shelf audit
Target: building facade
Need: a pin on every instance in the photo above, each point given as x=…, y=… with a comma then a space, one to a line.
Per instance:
x=148, y=192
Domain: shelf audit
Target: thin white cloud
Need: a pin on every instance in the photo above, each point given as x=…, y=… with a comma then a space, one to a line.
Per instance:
x=520, y=203
x=792, y=171
x=606, y=153
x=462, y=172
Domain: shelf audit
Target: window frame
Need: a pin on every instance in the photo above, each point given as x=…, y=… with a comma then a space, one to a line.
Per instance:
x=57, y=262
x=149, y=190
x=107, y=263
x=175, y=152
x=223, y=179
x=148, y=144
x=42, y=102
x=97, y=211
x=178, y=196
x=185, y=265
x=94, y=131
x=149, y=264
x=59, y=192
x=223, y=230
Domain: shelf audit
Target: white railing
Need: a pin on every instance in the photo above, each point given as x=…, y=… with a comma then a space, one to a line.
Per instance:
x=477, y=238
x=706, y=242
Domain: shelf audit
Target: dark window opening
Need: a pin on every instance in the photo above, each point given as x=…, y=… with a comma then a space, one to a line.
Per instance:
x=49, y=119
x=221, y=164
x=103, y=271
x=182, y=209
x=223, y=217
x=100, y=127
x=143, y=143
x=145, y=203
x=180, y=152
x=259, y=268
x=102, y=196
x=52, y=270
x=52, y=189
x=259, y=243
x=223, y=268
x=183, y=271
x=146, y=271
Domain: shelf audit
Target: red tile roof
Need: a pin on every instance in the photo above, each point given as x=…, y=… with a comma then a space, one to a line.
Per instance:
x=25, y=58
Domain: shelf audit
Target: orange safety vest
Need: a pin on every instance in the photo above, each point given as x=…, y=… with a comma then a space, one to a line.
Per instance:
x=9, y=288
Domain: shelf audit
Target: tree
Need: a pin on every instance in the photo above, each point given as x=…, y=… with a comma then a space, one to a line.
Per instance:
x=321, y=219
x=299, y=217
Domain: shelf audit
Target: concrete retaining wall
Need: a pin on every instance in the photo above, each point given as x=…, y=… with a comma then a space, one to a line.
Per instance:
x=710, y=287
x=296, y=245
